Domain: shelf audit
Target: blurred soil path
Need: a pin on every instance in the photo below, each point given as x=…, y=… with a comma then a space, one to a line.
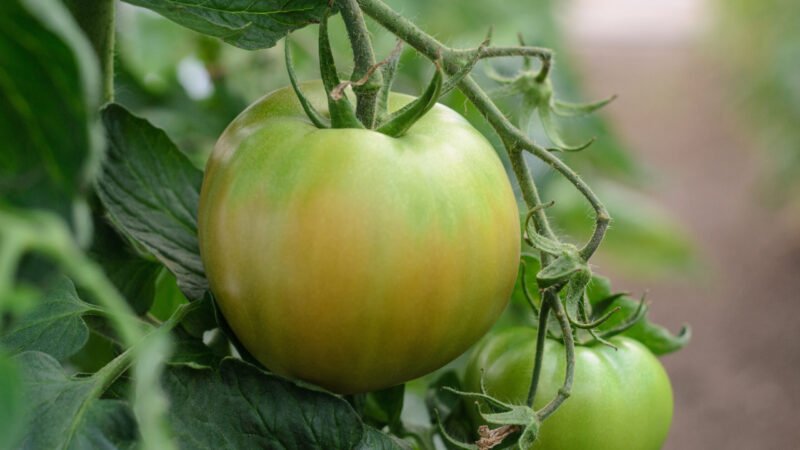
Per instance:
x=737, y=385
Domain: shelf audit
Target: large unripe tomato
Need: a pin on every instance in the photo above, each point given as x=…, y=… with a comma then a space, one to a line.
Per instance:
x=352, y=259
x=621, y=399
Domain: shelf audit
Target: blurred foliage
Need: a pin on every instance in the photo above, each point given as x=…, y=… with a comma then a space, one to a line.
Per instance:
x=761, y=39
x=55, y=125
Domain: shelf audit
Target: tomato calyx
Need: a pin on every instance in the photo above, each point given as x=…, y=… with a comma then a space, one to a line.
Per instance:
x=510, y=418
x=595, y=314
x=536, y=91
x=570, y=272
x=316, y=118
x=341, y=111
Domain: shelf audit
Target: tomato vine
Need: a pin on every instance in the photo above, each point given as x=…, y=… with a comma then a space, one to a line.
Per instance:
x=160, y=224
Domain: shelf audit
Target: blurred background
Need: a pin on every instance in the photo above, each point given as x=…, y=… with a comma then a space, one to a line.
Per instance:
x=698, y=161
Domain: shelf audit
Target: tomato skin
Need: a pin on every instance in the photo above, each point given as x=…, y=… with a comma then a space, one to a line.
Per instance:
x=351, y=259
x=620, y=399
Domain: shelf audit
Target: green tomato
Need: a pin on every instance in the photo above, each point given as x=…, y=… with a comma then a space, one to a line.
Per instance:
x=352, y=259
x=621, y=399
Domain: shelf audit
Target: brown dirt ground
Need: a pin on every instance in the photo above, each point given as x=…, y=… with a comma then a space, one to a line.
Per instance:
x=737, y=385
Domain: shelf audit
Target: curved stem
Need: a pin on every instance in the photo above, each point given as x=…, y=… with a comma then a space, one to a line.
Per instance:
x=402, y=28
x=500, y=52
x=116, y=367
x=541, y=337
x=547, y=64
x=525, y=291
x=96, y=19
x=569, y=345
x=530, y=194
x=364, y=60
x=510, y=133
x=585, y=324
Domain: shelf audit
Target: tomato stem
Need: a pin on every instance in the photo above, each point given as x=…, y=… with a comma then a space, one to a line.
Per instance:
x=364, y=61
x=313, y=115
x=541, y=337
x=340, y=109
x=388, y=71
x=96, y=19
x=552, y=298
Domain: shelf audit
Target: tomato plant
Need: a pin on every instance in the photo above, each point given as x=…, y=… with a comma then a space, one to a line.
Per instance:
x=386, y=245
x=621, y=398
x=343, y=240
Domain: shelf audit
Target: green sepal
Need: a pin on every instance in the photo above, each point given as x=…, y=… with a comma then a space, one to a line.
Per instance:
x=544, y=244
x=632, y=319
x=399, y=122
x=567, y=109
x=450, y=439
x=342, y=113
x=388, y=71
x=466, y=69
x=516, y=415
x=576, y=287
x=561, y=270
x=313, y=115
x=551, y=130
x=522, y=416
x=528, y=436
x=493, y=74
x=456, y=78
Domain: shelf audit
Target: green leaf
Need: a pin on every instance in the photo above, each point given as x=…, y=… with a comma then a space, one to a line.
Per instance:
x=66, y=413
x=449, y=407
x=55, y=326
x=191, y=351
x=13, y=411
x=377, y=440
x=97, y=352
x=134, y=276
x=151, y=191
x=202, y=318
x=442, y=400
x=384, y=407
x=561, y=269
x=49, y=85
x=658, y=339
x=239, y=406
x=168, y=296
x=248, y=24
